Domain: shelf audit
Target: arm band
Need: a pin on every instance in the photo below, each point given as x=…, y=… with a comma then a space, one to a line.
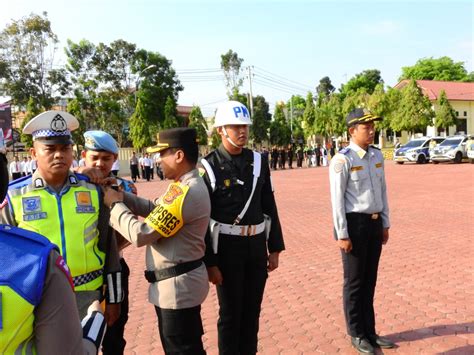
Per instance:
x=114, y=293
x=93, y=328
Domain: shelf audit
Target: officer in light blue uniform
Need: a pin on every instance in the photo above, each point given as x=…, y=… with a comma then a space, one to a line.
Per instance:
x=361, y=226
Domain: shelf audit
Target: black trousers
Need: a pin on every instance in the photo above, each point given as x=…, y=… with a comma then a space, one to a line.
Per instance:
x=16, y=176
x=147, y=173
x=134, y=172
x=181, y=330
x=360, y=273
x=243, y=263
x=114, y=341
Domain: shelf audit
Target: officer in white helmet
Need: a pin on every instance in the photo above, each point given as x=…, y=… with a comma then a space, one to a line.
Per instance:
x=244, y=237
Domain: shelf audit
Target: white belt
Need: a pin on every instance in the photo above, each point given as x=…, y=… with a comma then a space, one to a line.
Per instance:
x=244, y=231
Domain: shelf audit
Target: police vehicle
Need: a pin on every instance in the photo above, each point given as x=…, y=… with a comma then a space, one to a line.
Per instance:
x=453, y=148
x=416, y=150
x=470, y=149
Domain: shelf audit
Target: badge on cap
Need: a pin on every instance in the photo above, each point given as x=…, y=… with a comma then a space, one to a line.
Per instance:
x=58, y=124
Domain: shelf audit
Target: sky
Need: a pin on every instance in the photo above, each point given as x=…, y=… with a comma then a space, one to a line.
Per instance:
x=288, y=44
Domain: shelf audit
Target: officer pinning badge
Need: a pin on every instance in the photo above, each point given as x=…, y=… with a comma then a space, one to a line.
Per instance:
x=58, y=124
x=167, y=217
x=38, y=183
x=84, y=202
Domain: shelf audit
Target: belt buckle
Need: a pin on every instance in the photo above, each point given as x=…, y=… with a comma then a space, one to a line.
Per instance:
x=374, y=216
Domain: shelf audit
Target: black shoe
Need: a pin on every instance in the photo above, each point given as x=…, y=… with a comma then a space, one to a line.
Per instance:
x=380, y=342
x=362, y=345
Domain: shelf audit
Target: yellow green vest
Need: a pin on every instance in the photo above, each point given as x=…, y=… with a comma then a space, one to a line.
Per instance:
x=69, y=220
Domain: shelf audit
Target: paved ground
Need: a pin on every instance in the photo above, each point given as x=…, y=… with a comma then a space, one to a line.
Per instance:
x=425, y=293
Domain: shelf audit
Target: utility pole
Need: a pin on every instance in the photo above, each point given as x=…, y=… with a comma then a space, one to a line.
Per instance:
x=291, y=116
x=251, y=95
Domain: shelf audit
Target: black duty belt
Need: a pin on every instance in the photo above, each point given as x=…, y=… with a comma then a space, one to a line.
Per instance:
x=163, y=274
x=373, y=216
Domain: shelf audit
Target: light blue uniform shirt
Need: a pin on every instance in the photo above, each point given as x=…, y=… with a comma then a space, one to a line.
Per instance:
x=357, y=183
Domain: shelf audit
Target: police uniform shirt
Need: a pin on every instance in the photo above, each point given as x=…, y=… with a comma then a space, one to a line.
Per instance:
x=57, y=325
x=357, y=183
x=106, y=244
x=234, y=178
x=186, y=290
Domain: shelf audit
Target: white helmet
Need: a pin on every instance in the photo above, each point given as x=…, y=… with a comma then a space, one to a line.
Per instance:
x=232, y=112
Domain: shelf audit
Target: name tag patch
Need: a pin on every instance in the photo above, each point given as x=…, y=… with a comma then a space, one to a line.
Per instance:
x=84, y=202
x=378, y=165
x=357, y=168
x=34, y=216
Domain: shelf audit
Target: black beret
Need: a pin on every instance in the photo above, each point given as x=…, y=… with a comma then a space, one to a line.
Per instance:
x=175, y=138
x=360, y=115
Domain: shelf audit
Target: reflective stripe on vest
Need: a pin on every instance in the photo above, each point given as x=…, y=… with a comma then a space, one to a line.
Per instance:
x=69, y=221
x=24, y=258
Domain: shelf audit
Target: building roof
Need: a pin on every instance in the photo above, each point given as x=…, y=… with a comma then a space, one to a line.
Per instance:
x=454, y=90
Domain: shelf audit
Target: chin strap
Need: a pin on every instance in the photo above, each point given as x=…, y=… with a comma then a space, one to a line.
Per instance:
x=228, y=138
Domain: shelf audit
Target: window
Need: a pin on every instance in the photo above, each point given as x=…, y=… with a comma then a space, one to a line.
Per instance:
x=465, y=113
x=457, y=113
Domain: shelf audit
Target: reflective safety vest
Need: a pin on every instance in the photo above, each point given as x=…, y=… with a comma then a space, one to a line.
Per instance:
x=68, y=219
x=24, y=260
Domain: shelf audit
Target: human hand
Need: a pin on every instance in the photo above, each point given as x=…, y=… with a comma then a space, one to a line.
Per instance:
x=215, y=275
x=345, y=244
x=112, y=313
x=273, y=260
x=94, y=174
x=110, y=196
x=94, y=307
x=385, y=236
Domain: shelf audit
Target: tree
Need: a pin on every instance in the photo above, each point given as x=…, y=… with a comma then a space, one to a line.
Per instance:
x=368, y=80
x=197, y=121
x=261, y=120
x=325, y=87
x=445, y=115
x=139, y=129
x=414, y=112
x=309, y=114
x=32, y=110
x=27, y=49
x=329, y=117
x=231, y=64
x=171, y=120
x=443, y=68
x=280, y=133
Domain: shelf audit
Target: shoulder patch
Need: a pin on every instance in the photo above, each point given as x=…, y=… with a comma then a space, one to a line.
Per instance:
x=61, y=265
x=4, y=203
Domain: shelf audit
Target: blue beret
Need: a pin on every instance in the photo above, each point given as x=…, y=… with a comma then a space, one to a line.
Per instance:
x=100, y=141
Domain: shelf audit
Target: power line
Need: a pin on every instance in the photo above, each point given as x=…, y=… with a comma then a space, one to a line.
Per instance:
x=283, y=78
x=280, y=83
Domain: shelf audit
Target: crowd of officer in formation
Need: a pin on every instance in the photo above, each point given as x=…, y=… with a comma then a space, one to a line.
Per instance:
x=65, y=225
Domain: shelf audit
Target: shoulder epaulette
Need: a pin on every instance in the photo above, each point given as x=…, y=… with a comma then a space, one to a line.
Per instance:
x=375, y=147
x=82, y=177
x=344, y=150
x=18, y=183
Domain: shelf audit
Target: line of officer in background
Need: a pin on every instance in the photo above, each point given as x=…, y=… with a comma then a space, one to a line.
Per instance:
x=38, y=311
x=241, y=247
x=68, y=210
x=173, y=232
x=361, y=225
x=100, y=154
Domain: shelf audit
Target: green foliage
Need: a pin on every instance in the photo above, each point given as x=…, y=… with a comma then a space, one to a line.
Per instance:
x=325, y=87
x=231, y=64
x=139, y=128
x=260, y=121
x=443, y=68
x=414, y=112
x=280, y=133
x=32, y=110
x=309, y=114
x=367, y=80
x=171, y=114
x=215, y=139
x=445, y=114
x=27, y=49
x=329, y=117
x=197, y=121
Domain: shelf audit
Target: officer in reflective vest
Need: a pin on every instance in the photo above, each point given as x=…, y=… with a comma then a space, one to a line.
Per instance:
x=38, y=311
x=66, y=208
x=245, y=237
x=101, y=151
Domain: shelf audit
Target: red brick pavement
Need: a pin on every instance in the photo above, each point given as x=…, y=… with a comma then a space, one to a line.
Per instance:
x=425, y=293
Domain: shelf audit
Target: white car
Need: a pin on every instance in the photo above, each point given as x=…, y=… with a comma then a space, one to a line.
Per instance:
x=416, y=150
x=453, y=149
x=470, y=149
